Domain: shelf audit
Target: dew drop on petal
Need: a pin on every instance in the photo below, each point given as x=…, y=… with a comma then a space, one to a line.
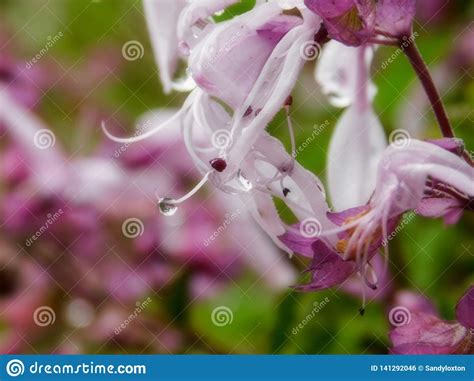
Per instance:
x=167, y=206
x=244, y=182
x=184, y=49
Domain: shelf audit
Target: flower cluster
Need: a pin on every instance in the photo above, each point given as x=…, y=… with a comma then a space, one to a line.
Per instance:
x=63, y=214
x=241, y=72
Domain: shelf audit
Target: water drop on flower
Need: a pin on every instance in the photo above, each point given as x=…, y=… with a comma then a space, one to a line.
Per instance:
x=184, y=49
x=244, y=182
x=167, y=206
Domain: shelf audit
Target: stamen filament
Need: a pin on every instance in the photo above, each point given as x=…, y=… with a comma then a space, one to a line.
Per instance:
x=187, y=196
x=292, y=133
x=193, y=191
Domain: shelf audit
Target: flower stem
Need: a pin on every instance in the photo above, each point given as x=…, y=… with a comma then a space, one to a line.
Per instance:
x=426, y=80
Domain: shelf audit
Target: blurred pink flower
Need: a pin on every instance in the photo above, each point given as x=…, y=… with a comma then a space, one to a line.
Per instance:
x=424, y=332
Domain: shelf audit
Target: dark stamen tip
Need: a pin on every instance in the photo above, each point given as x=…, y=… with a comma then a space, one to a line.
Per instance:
x=248, y=111
x=361, y=311
x=218, y=164
x=286, y=191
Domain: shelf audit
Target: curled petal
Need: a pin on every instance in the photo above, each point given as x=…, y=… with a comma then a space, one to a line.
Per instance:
x=427, y=334
x=356, y=147
x=340, y=218
x=161, y=23
x=452, y=145
x=337, y=73
x=328, y=269
x=403, y=172
x=450, y=209
x=263, y=210
x=270, y=168
x=196, y=12
x=272, y=88
x=228, y=62
x=296, y=242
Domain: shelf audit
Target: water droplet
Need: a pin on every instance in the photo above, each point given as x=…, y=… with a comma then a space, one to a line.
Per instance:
x=184, y=49
x=79, y=313
x=244, y=182
x=167, y=206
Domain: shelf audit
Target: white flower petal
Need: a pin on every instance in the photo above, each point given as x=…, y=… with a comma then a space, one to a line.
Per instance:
x=337, y=72
x=354, y=152
x=162, y=18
